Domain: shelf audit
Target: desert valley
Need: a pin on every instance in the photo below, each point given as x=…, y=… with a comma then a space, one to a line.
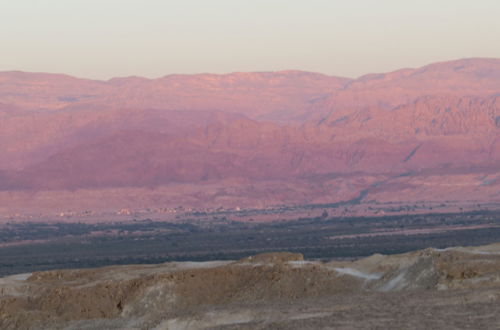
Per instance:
x=264, y=200
x=264, y=164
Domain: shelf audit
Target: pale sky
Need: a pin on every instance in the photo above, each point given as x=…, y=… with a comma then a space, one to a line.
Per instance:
x=106, y=38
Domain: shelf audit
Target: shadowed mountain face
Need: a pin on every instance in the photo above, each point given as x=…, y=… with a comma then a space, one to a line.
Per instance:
x=59, y=132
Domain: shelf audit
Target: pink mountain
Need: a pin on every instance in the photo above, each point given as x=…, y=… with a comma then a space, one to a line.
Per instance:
x=400, y=130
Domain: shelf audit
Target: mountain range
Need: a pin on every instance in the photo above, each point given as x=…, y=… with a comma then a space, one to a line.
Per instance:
x=431, y=133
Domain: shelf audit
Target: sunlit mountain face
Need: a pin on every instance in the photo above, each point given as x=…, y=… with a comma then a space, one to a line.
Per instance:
x=252, y=139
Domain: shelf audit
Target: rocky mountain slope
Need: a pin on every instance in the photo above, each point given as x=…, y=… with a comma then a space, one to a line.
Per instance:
x=60, y=133
x=448, y=289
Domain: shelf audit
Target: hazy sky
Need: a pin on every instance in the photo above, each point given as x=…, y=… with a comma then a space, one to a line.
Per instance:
x=105, y=38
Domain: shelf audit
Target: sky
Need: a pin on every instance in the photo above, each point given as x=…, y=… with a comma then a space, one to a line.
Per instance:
x=101, y=39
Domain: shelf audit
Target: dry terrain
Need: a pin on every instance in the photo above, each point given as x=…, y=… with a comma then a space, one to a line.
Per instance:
x=453, y=288
x=249, y=140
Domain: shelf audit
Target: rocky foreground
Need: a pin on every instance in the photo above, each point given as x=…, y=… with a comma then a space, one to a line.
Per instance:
x=428, y=289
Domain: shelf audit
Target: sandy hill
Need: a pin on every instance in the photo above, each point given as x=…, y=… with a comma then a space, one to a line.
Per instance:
x=448, y=289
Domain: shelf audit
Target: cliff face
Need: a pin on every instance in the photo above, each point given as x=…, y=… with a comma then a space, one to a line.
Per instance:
x=59, y=132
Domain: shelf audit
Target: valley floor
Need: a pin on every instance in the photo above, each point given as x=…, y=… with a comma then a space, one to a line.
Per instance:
x=35, y=246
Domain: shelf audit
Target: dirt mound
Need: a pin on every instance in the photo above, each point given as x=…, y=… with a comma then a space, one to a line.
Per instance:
x=196, y=295
x=277, y=257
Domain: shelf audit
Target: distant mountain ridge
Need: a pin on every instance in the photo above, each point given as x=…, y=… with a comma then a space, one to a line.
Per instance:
x=59, y=132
